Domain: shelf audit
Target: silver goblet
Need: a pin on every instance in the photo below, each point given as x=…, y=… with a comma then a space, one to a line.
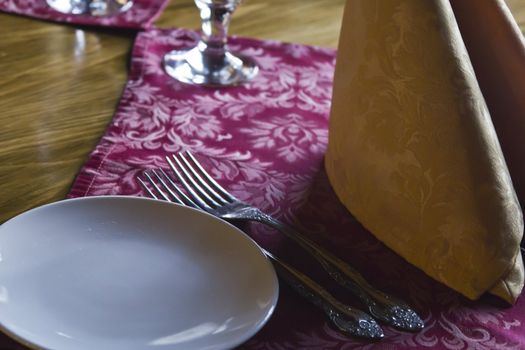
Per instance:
x=90, y=7
x=210, y=62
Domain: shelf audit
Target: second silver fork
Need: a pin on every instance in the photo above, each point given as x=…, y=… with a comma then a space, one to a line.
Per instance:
x=205, y=193
x=345, y=318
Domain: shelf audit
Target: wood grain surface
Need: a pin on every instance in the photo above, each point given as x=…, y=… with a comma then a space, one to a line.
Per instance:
x=59, y=85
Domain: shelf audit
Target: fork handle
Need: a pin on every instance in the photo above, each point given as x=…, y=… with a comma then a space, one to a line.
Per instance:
x=346, y=319
x=382, y=306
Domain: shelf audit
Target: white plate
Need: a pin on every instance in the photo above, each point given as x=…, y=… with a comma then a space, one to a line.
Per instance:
x=125, y=273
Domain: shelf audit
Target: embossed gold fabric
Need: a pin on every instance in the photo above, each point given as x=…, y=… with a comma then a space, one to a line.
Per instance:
x=412, y=150
x=497, y=52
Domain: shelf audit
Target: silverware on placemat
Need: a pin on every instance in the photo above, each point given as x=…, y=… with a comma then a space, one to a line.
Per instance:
x=345, y=318
x=204, y=193
x=348, y=320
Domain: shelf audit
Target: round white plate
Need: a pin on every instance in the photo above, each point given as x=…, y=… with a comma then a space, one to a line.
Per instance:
x=126, y=273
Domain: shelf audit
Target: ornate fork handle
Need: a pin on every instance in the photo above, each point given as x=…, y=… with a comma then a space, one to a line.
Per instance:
x=346, y=319
x=384, y=307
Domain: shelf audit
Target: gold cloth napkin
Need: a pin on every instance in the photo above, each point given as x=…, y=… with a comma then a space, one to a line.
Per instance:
x=412, y=150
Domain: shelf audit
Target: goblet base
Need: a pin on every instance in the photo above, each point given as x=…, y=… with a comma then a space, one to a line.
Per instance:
x=201, y=68
x=90, y=7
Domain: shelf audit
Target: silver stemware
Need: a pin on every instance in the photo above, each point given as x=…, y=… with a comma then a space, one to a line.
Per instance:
x=91, y=7
x=210, y=62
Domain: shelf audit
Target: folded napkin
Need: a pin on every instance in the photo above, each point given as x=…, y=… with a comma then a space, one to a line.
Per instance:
x=413, y=153
x=139, y=16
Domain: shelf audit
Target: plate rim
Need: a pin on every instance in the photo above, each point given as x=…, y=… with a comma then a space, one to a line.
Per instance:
x=258, y=325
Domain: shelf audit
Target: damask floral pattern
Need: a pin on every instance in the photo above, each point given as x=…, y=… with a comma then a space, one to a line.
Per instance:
x=265, y=142
x=290, y=136
x=140, y=15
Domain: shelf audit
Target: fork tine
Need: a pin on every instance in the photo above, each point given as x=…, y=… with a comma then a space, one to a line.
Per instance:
x=198, y=188
x=156, y=187
x=176, y=188
x=196, y=198
x=172, y=188
x=145, y=187
x=206, y=187
x=218, y=188
x=175, y=198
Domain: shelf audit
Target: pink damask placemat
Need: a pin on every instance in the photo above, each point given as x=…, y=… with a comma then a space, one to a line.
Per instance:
x=139, y=16
x=265, y=142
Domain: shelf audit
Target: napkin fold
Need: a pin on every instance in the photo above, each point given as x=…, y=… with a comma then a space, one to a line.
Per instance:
x=412, y=150
x=497, y=52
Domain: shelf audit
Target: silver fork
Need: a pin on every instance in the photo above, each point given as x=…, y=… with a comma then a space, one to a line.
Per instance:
x=208, y=195
x=346, y=319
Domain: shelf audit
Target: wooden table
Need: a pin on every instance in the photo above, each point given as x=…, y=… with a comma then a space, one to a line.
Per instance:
x=59, y=85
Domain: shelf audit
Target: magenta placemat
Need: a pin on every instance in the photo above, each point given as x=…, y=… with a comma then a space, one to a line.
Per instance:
x=265, y=142
x=141, y=15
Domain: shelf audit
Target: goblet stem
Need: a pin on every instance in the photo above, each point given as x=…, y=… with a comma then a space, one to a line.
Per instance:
x=215, y=17
x=210, y=62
